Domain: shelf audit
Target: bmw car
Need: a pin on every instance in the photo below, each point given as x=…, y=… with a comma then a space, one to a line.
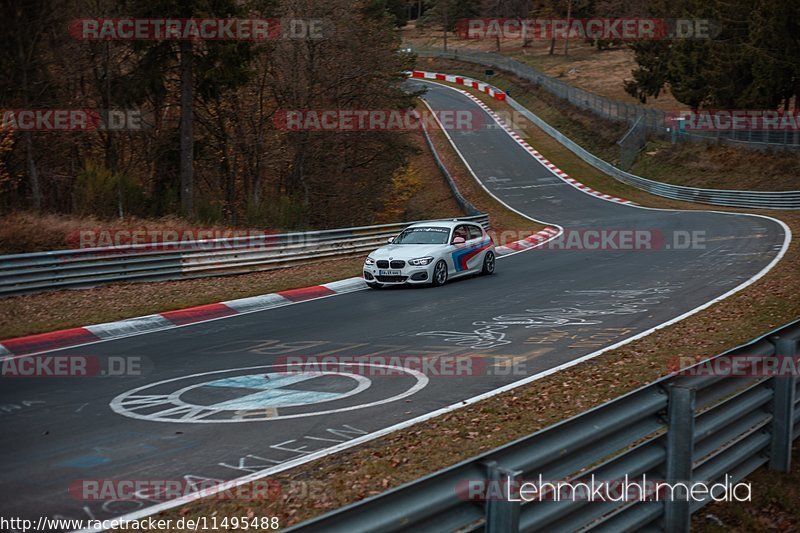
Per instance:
x=431, y=253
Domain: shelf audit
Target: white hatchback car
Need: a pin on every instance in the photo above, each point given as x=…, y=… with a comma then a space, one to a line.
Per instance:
x=431, y=252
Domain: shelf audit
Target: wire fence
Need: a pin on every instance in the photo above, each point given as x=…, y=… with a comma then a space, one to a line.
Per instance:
x=631, y=144
x=654, y=121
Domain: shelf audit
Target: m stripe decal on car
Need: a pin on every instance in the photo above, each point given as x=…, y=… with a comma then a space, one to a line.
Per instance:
x=460, y=257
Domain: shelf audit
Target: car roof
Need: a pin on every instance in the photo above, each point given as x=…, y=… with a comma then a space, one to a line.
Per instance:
x=443, y=223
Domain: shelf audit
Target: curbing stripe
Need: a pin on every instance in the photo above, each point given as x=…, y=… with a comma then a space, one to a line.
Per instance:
x=200, y=313
x=346, y=285
x=307, y=293
x=257, y=303
x=123, y=328
x=528, y=242
x=492, y=91
x=48, y=341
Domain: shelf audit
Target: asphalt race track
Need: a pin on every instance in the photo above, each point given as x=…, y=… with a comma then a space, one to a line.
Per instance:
x=541, y=309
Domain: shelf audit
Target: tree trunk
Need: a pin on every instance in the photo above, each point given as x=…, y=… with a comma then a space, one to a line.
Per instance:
x=33, y=172
x=566, y=37
x=227, y=174
x=248, y=146
x=298, y=177
x=526, y=40
x=187, y=141
x=444, y=26
x=110, y=148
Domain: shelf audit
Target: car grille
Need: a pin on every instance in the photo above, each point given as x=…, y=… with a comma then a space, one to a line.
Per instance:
x=393, y=264
x=391, y=279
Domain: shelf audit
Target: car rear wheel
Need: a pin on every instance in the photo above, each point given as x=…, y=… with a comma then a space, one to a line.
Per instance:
x=439, y=277
x=488, y=264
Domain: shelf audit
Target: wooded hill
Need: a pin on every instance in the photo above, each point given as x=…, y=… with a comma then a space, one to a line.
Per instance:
x=232, y=164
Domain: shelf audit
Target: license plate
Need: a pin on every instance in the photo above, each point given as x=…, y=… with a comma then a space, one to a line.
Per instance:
x=389, y=272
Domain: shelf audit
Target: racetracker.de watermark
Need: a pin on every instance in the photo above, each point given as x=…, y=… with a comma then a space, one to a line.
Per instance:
x=351, y=120
x=175, y=238
x=72, y=120
x=625, y=240
x=398, y=365
x=603, y=29
x=196, y=29
x=74, y=366
x=737, y=366
x=735, y=120
x=170, y=489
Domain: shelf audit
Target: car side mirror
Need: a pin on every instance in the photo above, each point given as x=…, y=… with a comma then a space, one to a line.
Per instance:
x=458, y=240
x=390, y=240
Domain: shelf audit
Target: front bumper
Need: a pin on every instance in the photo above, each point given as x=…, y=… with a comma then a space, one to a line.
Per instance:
x=412, y=275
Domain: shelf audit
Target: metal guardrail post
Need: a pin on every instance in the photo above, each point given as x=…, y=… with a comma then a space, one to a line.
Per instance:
x=780, y=458
x=502, y=516
x=680, y=448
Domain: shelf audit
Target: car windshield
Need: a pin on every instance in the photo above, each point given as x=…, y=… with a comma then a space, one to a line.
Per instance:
x=423, y=235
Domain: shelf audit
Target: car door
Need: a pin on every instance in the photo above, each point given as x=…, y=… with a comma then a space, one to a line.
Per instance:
x=474, y=245
x=456, y=254
x=468, y=257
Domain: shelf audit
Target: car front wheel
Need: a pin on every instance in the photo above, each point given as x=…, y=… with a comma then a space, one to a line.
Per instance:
x=439, y=277
x=374, y=285
x=488, y=264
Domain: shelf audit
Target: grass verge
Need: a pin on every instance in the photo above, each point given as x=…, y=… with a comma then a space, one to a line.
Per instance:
x=374, y=467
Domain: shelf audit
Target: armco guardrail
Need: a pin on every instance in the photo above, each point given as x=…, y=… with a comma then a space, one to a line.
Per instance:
x=26, y=273
x=680, y=428
x=732, y=198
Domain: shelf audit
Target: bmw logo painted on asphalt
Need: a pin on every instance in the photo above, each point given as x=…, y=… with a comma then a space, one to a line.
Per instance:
x=259, y=393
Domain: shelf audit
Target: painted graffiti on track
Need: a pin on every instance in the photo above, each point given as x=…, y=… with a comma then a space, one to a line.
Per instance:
x=593, y=306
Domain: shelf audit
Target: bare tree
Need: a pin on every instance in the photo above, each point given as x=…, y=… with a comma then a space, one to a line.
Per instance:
x=186, y=129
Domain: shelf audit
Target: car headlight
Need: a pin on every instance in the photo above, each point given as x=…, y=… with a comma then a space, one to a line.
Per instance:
x=369, y=261
x=421, y=261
